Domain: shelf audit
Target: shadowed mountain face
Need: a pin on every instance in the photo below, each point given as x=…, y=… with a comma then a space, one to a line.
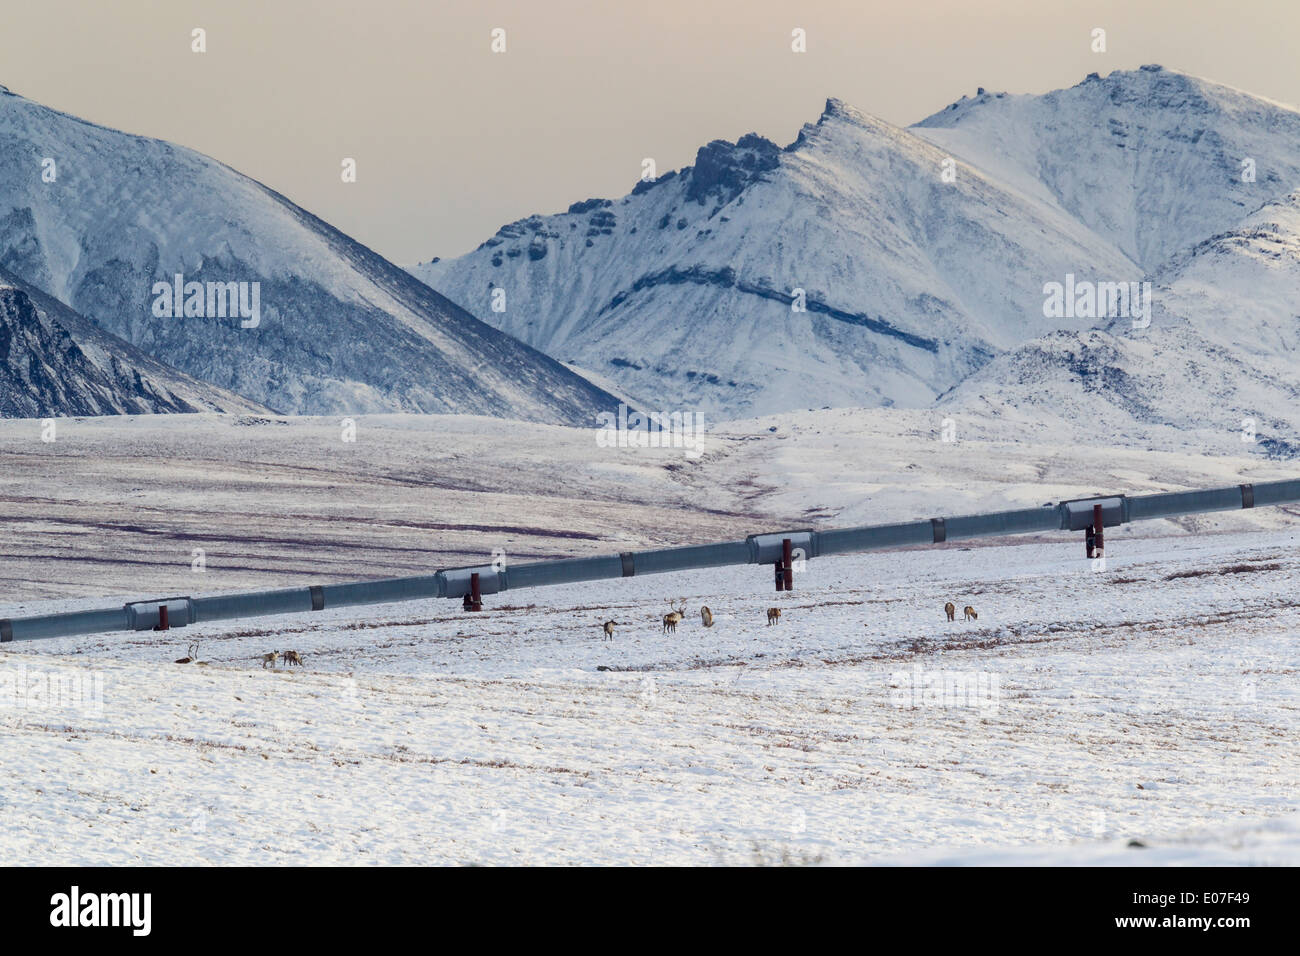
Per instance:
x=98, y=218
x=55, y=363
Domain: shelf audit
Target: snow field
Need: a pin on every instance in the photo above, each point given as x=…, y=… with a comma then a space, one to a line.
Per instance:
x=1148, y=701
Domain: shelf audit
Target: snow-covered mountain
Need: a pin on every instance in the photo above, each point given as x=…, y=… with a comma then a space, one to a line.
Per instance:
x=683, y=291
x=53, y=362
x=680, y=291
x=1151, y=160
x=97, y=217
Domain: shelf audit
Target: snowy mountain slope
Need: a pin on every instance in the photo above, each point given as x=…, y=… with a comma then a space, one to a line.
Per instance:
x=1241, y=287
x=1220, y=355
x=681, y=292
x=341, y=329
x=53, y=362
x=1150, y=159
x=1113, y=385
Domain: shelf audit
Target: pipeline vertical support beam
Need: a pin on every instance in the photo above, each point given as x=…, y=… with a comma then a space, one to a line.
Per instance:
x=163, y=624
x=1098, y=530
x=787, y=563
x=475, y=593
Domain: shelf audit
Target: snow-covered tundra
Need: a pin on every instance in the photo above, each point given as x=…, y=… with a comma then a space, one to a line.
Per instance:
x=1151, y=701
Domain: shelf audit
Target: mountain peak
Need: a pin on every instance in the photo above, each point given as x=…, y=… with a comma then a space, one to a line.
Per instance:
x=839, y=112
x=1170, y=86
x=835, y=107
x=1150, y=86
x=725, y=169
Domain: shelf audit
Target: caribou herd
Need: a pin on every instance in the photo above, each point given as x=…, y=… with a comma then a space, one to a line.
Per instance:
x=670, y=622
x=678, y=613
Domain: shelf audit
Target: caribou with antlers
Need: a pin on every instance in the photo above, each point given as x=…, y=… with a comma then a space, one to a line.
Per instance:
x=671, y=620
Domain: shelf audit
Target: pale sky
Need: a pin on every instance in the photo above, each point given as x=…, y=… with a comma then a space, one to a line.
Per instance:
x=452, y=140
